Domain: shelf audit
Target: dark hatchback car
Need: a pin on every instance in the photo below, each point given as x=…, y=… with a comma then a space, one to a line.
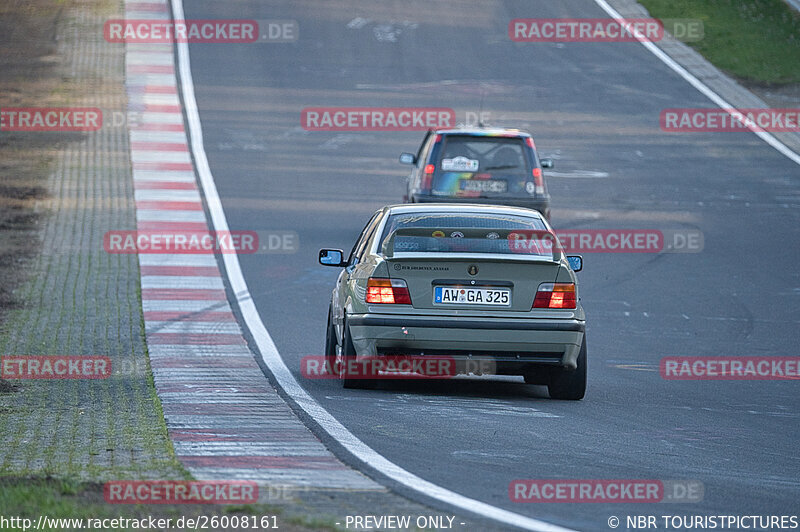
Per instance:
x=478, y=165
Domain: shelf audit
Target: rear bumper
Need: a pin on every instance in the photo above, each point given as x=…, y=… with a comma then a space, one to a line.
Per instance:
x=514, y=342
x=541, y=203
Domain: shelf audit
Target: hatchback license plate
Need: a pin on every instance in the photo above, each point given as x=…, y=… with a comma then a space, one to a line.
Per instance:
x=458, y=295
x=484, y=185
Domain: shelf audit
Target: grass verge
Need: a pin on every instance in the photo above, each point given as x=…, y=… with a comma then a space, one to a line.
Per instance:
x=757, y=41
x=64, y=500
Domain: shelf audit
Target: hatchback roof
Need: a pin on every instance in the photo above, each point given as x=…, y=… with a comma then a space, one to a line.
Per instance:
x=405, y=208
x=484, y=132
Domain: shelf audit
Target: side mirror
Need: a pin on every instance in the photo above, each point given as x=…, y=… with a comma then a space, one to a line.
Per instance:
x=408, y=158
x=331, y=257
x=546, y=163
x=575, y=262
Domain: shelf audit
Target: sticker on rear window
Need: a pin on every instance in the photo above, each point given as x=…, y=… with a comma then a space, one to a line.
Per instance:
x=460, y=164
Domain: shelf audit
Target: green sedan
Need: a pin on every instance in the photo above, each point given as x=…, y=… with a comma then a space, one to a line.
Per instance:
x=486, y=286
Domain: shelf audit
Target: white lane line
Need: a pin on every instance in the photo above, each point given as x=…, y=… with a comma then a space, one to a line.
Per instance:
x=273, y=359
x=700, y=86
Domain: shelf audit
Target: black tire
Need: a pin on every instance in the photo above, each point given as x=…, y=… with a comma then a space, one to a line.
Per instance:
x=330, y=343
x=570, y=385
x=349, y=353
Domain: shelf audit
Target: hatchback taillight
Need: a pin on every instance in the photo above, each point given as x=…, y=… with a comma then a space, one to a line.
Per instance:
x=555, y=295
x=388, y=291
x=538, y=180
x=427, y=176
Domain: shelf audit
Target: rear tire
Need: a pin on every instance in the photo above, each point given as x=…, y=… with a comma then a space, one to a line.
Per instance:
x=570, y=385
x=330, y=343
x=349, y=353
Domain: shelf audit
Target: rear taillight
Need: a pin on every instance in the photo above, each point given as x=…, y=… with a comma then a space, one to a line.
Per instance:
x=427, y=176
x=555, y=295
x=388, y=291
x=529, y=142
x=538, y=180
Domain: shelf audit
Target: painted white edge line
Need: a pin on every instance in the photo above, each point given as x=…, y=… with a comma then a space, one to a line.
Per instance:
x=699, y=85
x=272, y=358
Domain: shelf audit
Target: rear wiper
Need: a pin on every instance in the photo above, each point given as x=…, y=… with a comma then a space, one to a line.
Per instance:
x=505, y=167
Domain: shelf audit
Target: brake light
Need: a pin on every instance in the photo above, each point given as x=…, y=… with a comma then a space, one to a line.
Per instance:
x=538, y=181
x=555, y=295
x=388, y=291
x=427, y=177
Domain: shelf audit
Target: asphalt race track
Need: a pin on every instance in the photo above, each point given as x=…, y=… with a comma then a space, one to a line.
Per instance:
x=594, y=108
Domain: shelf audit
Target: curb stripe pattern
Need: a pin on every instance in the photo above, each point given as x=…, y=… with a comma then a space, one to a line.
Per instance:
x=225, y=420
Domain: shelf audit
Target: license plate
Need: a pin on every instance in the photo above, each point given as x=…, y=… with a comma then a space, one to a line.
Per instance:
x=484, y=185
x=458, y=295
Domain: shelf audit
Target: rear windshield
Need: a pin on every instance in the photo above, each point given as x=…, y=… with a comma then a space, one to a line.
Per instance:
x=472, y=166
x=458, y=233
